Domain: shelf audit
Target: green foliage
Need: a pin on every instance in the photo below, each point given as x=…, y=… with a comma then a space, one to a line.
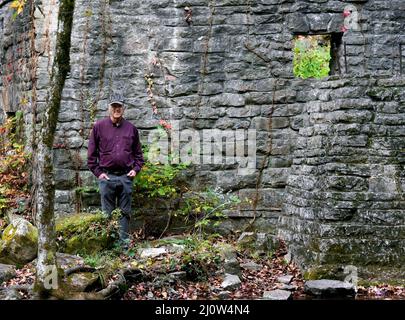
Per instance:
x=158, y=180
x=3, y=202
x=200, y=258
x=311, y=56
x=86, y=189
x=106, y=262
x=205, y=209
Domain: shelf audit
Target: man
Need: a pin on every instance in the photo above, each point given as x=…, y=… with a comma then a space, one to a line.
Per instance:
x=115, y=157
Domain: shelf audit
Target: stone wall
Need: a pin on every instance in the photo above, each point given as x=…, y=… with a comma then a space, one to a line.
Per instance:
x=26, y=51
x=344, y=201
x=328, y=173
x=15, y=57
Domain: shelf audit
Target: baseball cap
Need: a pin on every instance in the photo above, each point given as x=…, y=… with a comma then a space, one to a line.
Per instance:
x=116, y=98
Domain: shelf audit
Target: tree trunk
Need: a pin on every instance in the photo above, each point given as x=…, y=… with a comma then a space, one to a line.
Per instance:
x=47, y=276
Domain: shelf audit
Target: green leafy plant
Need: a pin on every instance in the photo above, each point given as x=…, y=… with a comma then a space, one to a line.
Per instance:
x=157, y=179
x=3, y=203
x=200, y=258
x=311, y=56
x=205, y=209
x=106, y=263
x=86, y=189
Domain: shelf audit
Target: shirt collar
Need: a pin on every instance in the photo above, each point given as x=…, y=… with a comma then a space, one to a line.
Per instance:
x=116, y=124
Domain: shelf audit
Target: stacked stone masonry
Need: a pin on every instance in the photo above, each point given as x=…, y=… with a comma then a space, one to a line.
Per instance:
x=329, y=175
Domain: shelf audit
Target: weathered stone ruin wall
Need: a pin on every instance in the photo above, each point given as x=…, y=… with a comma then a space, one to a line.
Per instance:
x=329, y=175
x=344, y=201
x=15, y=61
x=26, y=51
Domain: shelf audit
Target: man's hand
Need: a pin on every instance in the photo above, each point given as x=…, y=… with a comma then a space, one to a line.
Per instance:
x=103, y=176
x=131, y=173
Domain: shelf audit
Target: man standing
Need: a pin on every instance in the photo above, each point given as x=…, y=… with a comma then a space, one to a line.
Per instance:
x=115, y=157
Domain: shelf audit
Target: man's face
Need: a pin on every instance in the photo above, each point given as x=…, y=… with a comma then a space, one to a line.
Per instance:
x=116, y=111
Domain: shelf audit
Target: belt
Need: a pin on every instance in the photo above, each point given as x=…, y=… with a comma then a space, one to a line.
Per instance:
x=116, y=172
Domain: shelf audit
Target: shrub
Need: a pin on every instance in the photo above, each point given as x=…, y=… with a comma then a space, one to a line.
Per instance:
x=311, y=56
x=157, y=179
x=205, y=209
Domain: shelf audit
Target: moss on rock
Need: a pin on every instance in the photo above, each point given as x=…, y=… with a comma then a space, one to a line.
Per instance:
x=324, y=272
x=19, y=243
x=83, y=281
x=86, y=233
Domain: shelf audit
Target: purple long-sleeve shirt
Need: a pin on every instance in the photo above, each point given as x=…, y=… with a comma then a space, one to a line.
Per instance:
x=114, y=147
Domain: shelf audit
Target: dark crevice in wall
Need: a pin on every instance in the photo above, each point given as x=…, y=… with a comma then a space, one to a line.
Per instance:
x=336, y=54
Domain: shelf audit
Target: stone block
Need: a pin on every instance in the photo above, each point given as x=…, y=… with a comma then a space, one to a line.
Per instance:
x=298, y=23
x=329, y=288
x=277, y=295
x=231, y=266
x=231, y=282
x=65, y=179
x=280, y=122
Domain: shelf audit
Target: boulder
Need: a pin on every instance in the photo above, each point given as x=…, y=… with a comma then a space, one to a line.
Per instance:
x=329, y=288
x=85, y=233
x=6, y=272
x=226, y=251
x=231, y=282
x=9, y=294
x=82, y=281
x=223, y=295
x=277, y=295
x=260, y=241
x=286, y=279
x=19, y=243
x=67, y=261
x=288, y=287
x=253, y=266
x=152, y=252
x=232, y=266
x=176, y=248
